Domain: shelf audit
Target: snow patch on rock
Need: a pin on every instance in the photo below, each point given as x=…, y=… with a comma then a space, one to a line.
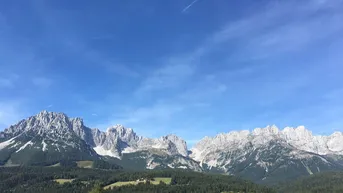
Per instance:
x=101, y=151
x=44, y=146
x=7, y=143
x=24, y=146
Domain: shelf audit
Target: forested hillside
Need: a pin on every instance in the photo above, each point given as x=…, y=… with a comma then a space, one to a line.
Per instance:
x=77, y=180
x=328, y=182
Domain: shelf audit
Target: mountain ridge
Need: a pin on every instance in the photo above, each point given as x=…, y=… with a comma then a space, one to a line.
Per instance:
x=298, y=137
x=49, y=132
x=266, y=131
x=263, y=155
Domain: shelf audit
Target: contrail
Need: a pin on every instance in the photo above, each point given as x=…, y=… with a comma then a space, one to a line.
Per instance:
x=189, y=6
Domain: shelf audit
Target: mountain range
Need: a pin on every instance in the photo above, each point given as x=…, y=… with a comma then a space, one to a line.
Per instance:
x=264, y=155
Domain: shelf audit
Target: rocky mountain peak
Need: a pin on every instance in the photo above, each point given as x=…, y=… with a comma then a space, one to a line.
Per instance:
x=55, y=125
x=45, y=115
x=172, y=137
x=298, y=138
x=125, y=134
x=77, y=121
x=114, y=128
x=269, y=130
x=43, y=112
x=52, y=133
x=119, y=129
x=118, y=140
x=178, y=145
x=298, y=130
x=336, y=134
x=298, y=133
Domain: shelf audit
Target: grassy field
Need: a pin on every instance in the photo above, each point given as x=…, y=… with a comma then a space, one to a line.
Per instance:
x=84, y=164
x=55, y=165
x=10, y=164
x=117, y=184
x=62, y=181
x=156, y=181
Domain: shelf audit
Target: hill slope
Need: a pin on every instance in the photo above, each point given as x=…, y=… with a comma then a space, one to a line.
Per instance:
x=321, y=182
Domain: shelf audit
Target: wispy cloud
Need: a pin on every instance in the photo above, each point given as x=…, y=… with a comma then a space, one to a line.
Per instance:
x=273, y=30
x=10, y=113
x=247, y=63
x=49, y=106
x=170, y=75
x=96, y=58
x=42, y=82
x=189, y=6
x=160, y=111
x=204, y=90
x=120, y=69
x=5, y=83
x=335, y=94
x=269, y=34
x=148, y=120
x=8, y=81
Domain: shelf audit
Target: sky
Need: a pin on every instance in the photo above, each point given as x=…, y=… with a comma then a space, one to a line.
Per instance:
x=184, y=67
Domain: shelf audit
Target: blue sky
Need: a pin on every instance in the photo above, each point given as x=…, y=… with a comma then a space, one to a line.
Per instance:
x=192, y=68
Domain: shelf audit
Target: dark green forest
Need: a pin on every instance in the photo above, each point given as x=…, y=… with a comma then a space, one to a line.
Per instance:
x=326, y=182
x=41, y=179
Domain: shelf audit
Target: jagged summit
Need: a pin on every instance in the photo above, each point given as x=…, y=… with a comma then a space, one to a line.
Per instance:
x=265, y=152
x=47, y=116
x=114, y=142
x=299, y=139
x=121, y=131
x=46, y=136
x=273, y=130
x=131, y=142
x=49, y=123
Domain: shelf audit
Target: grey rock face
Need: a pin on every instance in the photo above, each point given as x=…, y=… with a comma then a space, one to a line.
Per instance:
x=118, y=140
x=57, y=129
x=269, y=154
x=53, y=125
x=46, y=138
